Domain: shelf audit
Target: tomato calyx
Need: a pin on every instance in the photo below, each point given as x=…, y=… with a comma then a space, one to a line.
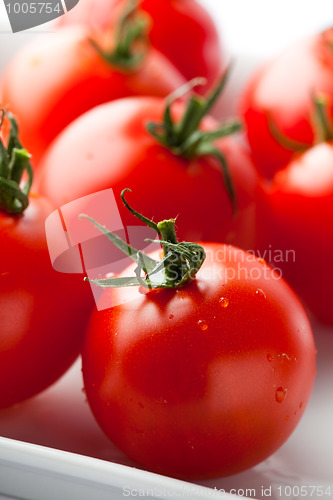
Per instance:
x=184, y=138
x=321, y=125
x=327, y=38
x=179, y=266
x=131, y=39
x=14, y=165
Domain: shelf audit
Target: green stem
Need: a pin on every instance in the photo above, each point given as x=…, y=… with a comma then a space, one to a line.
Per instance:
x=14, y=165
x=179, y=265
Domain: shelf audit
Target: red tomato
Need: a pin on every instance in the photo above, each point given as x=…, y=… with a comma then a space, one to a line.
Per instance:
x=58, y=76
x=109, y=147
x=296, y=227
x=205, y=380
x=43, y=313
x=182, y=30
x=280, y=92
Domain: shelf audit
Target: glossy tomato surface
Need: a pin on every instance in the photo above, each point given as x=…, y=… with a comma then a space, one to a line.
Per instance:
x=43, y=313
x=58, y=76
x=207, y=380
x=280, y=93
x=296, y=226
x=109, y=147
x=183, y=30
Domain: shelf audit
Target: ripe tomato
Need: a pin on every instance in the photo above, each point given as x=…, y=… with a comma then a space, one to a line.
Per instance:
x=58, y=76
x=295, y=227
x=280, y=92
x=182, y=30
x=110, y=147
x=204, y=380
x=42, y=313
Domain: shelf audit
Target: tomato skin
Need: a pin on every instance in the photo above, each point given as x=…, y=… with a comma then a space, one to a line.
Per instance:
x=295, y=222
x=109, y=147
x=56, y=78
x=182, y=30
x=281, y=90
x=204, y=381
x=43, y=313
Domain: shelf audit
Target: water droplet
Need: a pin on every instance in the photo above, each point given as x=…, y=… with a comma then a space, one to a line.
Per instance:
x=287, y=417
x=260, y=293
x=280, y=394
x=261, y=260
x=202, y=325
x=270, y=357
x=284, y=356
x=171, y=316
x=301, y=404
x=160, y=401
x=224, y=302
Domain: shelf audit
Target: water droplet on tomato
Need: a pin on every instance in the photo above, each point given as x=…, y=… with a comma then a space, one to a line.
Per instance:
x=280, y=394
x=171, y=316
x=202, y=325
x=224, y=302
x=261, y=260
x=270, y=357
x=260, y=293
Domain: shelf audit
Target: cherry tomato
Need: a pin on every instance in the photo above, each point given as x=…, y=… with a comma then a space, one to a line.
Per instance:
x=110, y=147
x=295, y=228
x=182, y=30
x=43, y=313
x=58, y=76
x=280, y=95
x=205, y=380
